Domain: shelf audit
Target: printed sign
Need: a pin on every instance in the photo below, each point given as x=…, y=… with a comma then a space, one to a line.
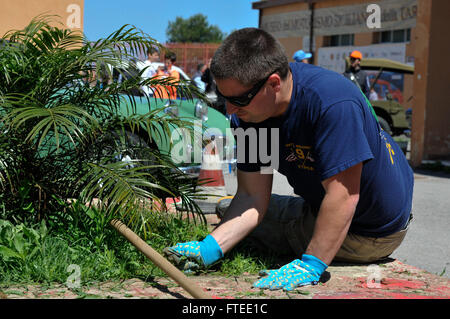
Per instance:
x=395, y=15
x=333, y=58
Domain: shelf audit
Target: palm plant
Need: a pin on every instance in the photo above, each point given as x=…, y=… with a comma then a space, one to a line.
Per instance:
x=63, y=138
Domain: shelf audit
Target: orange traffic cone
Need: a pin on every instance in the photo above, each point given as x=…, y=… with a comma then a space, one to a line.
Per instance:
x=212, y=170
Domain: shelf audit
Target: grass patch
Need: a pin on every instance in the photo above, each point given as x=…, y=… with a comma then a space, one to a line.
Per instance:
x=46, y=253
x=244, y=259
x=37, y=254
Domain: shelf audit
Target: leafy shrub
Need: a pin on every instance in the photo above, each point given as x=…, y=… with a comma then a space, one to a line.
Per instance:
x=56, y=125
x=19, y=243
x=43, y=255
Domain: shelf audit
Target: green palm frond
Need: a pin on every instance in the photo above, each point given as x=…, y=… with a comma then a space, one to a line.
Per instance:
x=60, y=120
x=120, y=184
x=53, y=119
x=128, y=190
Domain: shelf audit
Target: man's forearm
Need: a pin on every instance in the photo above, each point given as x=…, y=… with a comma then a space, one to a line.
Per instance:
x=332, y=224
x=240, y=219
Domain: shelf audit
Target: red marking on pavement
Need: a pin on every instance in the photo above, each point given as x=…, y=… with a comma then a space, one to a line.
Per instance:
x=377, y=294
x=223, y=297
x=390, y=283
x=361, y=295
x=142, y=292
x=399, y=295
x=442, y=288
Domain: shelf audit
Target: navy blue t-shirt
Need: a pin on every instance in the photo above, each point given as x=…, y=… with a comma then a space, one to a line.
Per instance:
x=327, y=128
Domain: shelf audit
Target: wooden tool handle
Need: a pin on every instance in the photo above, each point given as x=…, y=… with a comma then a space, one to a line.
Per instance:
x=173, y=272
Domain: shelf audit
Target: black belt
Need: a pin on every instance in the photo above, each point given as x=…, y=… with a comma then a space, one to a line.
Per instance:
x=409, y=221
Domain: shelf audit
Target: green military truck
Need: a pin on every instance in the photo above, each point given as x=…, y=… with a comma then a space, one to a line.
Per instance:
x=394, y=117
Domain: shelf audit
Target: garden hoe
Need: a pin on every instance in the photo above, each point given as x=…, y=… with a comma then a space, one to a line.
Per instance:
x=173, y=272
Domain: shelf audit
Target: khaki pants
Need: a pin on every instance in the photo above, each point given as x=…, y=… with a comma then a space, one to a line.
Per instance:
x=288, y=226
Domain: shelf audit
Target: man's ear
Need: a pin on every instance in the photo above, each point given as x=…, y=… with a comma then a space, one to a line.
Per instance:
x=275, y=82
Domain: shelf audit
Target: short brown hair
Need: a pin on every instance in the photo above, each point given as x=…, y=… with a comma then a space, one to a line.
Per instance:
x=171, y=56
x=249, y=55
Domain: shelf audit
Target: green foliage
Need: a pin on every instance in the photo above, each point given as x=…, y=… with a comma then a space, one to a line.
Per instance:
x=194, y=29
x=21, y=242
x=64, y=143
x=65, y=137
x=42, y=253
x=82, y=236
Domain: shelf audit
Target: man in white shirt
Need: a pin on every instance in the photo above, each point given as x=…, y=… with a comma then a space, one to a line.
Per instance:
x=198, y=77
x=151, y=68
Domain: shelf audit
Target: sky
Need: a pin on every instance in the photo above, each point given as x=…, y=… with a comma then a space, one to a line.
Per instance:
x=102, y=17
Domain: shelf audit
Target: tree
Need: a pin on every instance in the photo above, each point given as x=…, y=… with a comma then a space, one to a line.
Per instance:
x=193, y=29
x=62, y=138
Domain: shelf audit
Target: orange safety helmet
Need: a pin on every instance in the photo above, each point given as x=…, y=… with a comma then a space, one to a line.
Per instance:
x=356, y=54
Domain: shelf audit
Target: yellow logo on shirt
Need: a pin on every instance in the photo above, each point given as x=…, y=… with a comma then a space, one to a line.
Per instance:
x=391, y=152
x=301, y=154
x=388, y=146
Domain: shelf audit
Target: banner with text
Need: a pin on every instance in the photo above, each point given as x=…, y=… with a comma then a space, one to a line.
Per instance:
x=395, y=15
x=333, y=58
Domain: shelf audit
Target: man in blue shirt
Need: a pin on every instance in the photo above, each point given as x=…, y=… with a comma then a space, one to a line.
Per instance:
x=354, y=183
x=302, y=56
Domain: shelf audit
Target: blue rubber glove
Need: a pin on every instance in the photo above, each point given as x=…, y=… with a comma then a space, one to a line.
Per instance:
x=295, y=274
x=194, y=255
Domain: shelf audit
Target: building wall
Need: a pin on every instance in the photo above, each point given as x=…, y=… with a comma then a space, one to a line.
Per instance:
x=292, y=44
x=189, y=55
x=431, y=113
x=16, y=14
x=295, y=43
x=438, y=95
x=426, y=91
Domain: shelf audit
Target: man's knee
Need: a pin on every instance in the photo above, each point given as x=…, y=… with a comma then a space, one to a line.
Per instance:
x=361, y=249
x=287, y=226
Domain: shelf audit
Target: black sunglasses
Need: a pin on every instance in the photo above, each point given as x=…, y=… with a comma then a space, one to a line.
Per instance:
x=247, y=97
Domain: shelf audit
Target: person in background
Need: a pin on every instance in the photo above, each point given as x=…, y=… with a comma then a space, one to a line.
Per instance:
x=217, y=101
x=201, y=67
x=166, y=71
x=302, y=56
x=150, y=67
x=152, y=59
x=208, y=79
x=355, y=74
x=373, y=95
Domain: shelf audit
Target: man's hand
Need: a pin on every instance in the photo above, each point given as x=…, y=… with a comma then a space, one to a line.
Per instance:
x=194, y=255
x=295, y=274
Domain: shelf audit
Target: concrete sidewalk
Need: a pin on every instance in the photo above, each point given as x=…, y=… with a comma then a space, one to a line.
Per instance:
x=390, y=279
x=426, y=244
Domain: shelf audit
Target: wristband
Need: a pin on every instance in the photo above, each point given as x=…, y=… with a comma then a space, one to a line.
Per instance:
x=318, y=265
x=210, y=250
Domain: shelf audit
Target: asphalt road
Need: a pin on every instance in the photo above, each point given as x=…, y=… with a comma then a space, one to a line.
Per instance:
x=427, y=243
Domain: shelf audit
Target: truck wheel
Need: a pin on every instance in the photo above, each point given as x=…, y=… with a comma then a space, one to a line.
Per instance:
x=385, y=125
